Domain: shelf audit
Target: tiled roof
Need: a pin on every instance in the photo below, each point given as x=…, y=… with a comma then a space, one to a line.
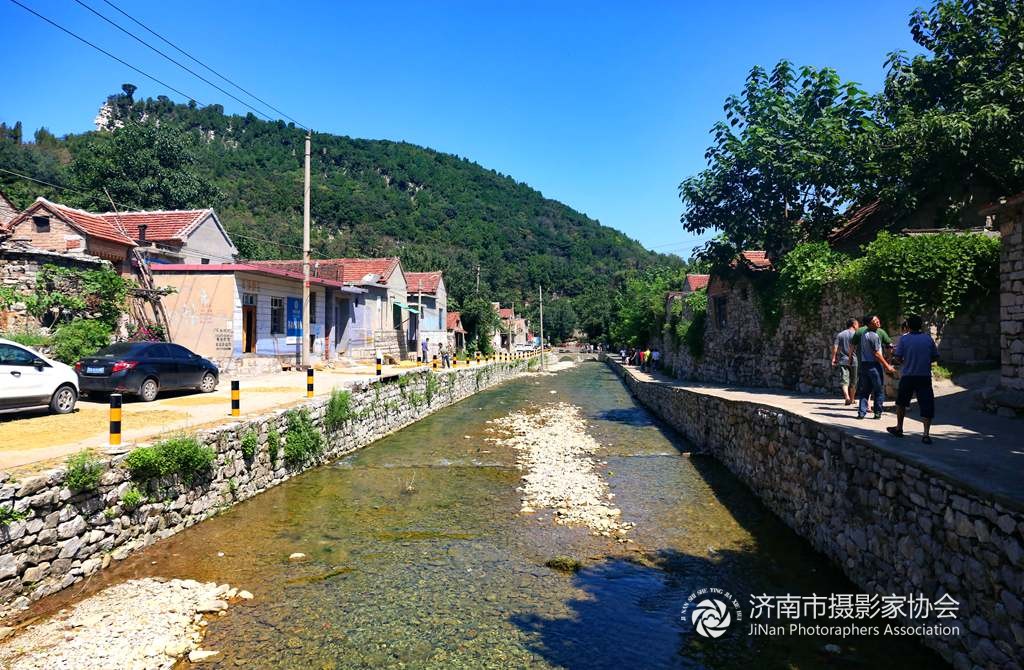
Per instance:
x=321, y=269
x=696, y=282
x=8, y=212
x=757, y=260
x=266, y=269
x=430, y=280
x=90, y=224
x=506, y=312
x=855, y=220
x=454, y=322
x=161, y=226
x=347, y=270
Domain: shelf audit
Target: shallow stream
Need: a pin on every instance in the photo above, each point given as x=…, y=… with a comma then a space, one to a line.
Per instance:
x=418, y=556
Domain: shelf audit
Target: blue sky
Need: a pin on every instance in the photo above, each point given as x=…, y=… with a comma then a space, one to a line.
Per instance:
x=604, y=106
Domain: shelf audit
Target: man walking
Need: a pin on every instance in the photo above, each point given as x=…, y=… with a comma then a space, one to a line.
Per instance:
x=425, y=348
x=656, y=359
x=844, y=356
x=872, y=365
x=916, y=351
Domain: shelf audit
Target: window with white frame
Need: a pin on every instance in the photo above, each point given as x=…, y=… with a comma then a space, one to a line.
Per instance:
x=277, y=316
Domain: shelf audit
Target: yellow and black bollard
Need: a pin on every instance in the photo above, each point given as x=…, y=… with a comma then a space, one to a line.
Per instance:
x=380, y=366
x=433, y=363
x=455, y=360
x=478, y=358
x=236, y=408
x=309, y=382
x=115, y=419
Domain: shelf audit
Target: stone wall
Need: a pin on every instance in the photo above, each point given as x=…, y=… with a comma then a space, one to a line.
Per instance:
x=890, y=525
x=1011, y=306
x=18, y=269
x=798, y=354
x=65, y=537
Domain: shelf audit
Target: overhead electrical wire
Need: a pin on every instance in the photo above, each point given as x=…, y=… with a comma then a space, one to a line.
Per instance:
x=196, y=60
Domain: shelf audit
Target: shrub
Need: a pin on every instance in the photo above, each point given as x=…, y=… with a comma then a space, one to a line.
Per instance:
x=432, y=386
x=29, y=338
x=181, y=455
x=132, y=499
x=9, y=515
x=78, y=339
x=339, y=409
x=249, y=442
x=804, y=273
x=303, y=443
x=84, y=471
x=273, y=444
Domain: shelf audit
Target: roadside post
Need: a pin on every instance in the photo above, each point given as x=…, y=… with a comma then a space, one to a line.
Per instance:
x=478, y=358
x=115, y=419
x=379, y=365
x=236, y=408
x=309, y=382
x=434, y=362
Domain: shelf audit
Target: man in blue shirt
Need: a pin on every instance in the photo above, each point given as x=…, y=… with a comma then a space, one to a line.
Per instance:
x=873, y=366
x=917, y=352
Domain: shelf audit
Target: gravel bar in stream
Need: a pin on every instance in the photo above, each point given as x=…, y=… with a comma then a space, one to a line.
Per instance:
x=144, y=624
x=553, y=447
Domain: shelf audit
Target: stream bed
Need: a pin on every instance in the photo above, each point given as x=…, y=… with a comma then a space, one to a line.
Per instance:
x=417, y=556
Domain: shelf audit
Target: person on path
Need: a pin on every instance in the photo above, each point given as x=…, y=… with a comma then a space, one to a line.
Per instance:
x=917, y=352
x=647, y=360
x=446, y=356
x=845, y=358
x=656, y=358
x=425, y=348
x=872, y=369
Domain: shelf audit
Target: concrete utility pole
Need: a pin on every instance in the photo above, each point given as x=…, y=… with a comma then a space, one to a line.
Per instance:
x=419, y=315
x=305, y=257
x=540, y=291
x=478, y=279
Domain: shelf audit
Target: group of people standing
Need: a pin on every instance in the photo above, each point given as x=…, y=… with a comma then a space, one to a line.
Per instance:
x=859, y=351
x=646, y=359
x=445, y=352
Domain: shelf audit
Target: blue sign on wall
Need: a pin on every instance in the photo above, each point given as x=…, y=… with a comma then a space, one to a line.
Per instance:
x=293, y=327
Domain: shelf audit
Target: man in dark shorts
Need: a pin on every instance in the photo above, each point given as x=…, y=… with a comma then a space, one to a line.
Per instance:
x=845, y=357
x=917, y=351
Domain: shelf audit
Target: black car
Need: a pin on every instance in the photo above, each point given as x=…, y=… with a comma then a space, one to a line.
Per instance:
x=144, y=369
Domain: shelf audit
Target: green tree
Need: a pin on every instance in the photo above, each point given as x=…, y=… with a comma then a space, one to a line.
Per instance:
x=143, y=165
x=955, y=114
x=480, y=321
x=640, y=305
x=785, y=162
x=560, y=320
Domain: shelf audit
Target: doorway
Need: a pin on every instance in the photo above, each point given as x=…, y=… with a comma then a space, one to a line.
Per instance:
x=248, y=323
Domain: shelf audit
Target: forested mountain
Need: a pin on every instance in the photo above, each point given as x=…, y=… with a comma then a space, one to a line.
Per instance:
x=370, y=197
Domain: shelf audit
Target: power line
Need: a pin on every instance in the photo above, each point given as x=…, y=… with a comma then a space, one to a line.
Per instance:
x=104, y=51
x=183, y=67
x=196, y=60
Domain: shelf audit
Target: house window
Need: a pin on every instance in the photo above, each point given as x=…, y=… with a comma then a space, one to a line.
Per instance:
x=249, y=299
x=42, y=223
x=277, y=316
x=720, y=311
x=205, y=261
x=440, y=319
x=312, y=307
x=396, y=317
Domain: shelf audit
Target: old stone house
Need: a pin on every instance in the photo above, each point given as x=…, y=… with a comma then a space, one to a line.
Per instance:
x=513, y=330
x=8, y=210
x=456, y=333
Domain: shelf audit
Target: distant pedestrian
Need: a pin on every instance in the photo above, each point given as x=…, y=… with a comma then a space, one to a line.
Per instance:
x=646, y=366
x=845, y=358
x=656, y=359
x=871, y=382
x=425, y=348
x=446, y=356
x=917, y=351
x=622, y=355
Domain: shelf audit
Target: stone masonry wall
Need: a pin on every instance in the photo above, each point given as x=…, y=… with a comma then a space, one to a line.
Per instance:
x=890, y=525
x=18, y=269
x=1011, y=307
x=66, y=537
x=798, y=354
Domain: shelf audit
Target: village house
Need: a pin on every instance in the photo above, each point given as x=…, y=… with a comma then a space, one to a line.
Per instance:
x=182, y=236
x=691, y=283
x=57, y=228
x=427, y=293
x=248, y=316
x=512, y=330
x=456, y=333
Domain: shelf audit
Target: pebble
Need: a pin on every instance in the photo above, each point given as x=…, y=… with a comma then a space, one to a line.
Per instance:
x=297, y=556
x=200, y=655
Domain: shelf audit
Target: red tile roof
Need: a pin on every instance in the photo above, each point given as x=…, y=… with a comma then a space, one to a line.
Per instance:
x=431, y=280
x=322, y=269
x=696, y=282
x=757, y=260
x=454, y=322
x=855, y=220
x=263, y=268
x=90, y=224
x=161, y=226
x=505, y=312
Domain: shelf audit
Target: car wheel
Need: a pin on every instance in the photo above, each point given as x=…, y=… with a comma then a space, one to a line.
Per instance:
x=150, y=387
x=209, y=383
x=63, y=400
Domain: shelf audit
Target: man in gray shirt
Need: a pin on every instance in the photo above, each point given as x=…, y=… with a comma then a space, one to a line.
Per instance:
x=844, y=356
x=873, y=367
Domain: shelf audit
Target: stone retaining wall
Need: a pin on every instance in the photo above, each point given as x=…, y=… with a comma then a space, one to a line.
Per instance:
x=18, y=270
x=890, y=525
x=65, y=537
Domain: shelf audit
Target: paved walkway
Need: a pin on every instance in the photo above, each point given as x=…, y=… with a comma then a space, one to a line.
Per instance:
x=981, y=451
x=36, y=440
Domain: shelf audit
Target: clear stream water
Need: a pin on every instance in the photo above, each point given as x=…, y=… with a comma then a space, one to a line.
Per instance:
x=418, y=557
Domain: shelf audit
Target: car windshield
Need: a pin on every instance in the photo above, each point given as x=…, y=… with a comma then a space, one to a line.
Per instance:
x=123, y=349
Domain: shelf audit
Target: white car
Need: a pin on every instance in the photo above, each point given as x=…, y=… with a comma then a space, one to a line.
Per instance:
x=29, y=379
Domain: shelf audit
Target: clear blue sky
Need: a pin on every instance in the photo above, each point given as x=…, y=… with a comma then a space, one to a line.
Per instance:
x=603, y=106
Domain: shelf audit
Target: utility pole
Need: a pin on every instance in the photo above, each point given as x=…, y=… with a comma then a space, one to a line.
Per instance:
x=540, y=291
x=511, y=327
x=477, y=278
x=305, y=256
x=419, y=316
